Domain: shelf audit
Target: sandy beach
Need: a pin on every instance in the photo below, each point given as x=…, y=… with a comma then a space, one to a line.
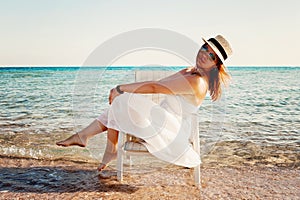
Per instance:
x=44, y=179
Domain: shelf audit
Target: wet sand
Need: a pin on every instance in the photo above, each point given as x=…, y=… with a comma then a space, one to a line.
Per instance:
x=45, y=179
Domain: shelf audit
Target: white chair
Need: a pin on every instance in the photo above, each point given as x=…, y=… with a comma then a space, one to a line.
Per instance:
x=129, y=145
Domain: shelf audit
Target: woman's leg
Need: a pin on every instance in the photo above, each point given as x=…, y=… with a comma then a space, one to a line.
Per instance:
x=81, y=138
x=111, y=148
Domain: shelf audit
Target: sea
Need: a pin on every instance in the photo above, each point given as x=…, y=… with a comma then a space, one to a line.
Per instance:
x=256, y=122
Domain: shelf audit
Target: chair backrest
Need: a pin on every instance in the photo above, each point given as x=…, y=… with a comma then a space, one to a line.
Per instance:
x=149, y=76
x=152, y=76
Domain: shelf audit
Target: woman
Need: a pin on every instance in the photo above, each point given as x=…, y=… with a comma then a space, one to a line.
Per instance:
x=163, y=127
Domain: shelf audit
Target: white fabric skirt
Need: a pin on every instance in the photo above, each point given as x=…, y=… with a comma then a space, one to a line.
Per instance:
x=165, y=127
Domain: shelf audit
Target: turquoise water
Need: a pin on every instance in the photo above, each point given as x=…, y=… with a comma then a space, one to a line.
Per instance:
x=256, y=122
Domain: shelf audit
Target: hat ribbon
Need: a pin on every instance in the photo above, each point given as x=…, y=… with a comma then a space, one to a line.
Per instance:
x=219, y=46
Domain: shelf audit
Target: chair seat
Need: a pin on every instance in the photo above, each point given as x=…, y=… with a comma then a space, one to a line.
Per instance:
x=135, y=147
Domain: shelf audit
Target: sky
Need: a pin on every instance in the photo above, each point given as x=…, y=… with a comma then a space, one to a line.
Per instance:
x=66, y=32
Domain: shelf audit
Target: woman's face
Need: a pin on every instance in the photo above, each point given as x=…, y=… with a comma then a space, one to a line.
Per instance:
x=206, y=58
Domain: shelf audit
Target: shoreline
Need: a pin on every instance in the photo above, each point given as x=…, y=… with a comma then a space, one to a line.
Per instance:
x=60, y=179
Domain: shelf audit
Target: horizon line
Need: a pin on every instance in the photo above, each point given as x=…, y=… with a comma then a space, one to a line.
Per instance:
x=141, y=66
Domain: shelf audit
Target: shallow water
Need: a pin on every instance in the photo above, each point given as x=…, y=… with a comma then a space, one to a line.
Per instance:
x=256, y=122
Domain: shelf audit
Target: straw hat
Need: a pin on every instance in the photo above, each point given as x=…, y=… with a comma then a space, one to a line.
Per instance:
x=220, y=46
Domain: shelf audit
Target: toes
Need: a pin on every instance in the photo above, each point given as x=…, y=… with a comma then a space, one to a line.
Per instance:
x=61, y=143
x=101, y=166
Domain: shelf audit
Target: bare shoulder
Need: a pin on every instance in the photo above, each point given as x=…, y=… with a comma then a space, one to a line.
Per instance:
x=186, y=70
x=198, y=84
x=177, y=75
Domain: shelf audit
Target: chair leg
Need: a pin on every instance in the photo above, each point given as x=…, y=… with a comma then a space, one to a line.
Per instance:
x=196, y=146
x=120, y=166
x=120, y=157
x=197, y=175
x=129, y=160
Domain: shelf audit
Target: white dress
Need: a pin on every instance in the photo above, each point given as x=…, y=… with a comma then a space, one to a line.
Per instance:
x=165, y=127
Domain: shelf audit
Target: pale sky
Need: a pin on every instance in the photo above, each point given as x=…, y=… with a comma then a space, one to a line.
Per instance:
x=65, y=32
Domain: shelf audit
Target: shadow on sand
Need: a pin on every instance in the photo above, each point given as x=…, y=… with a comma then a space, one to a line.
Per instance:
x=57, y=180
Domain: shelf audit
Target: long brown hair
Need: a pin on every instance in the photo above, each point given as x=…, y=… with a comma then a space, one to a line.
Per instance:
x=218, y=75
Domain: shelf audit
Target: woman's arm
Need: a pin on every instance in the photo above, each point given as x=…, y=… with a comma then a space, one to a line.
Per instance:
x=149, y=87
x=175, y=84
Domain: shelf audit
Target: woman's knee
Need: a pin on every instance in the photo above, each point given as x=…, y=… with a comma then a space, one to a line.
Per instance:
x=101, y=126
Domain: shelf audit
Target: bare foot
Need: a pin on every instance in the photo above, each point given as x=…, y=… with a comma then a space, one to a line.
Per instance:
x=72, y=140
x=107, y=158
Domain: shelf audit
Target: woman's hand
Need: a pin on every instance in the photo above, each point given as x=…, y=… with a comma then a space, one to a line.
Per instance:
x=113, y=94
